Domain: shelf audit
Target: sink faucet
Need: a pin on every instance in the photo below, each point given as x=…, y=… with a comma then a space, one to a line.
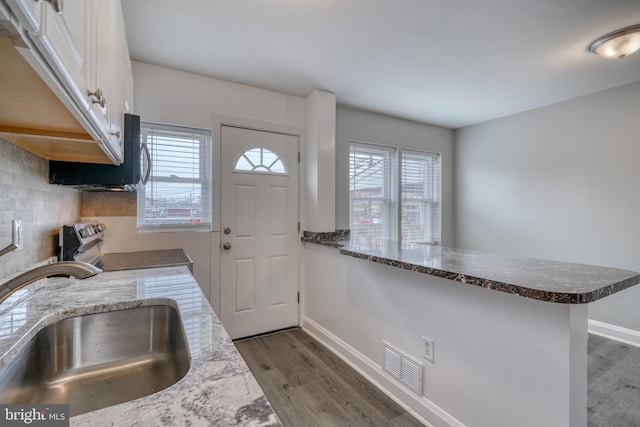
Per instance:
x=79, y=270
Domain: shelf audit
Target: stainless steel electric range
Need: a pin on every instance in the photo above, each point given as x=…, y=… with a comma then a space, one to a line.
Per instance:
x=83, y=242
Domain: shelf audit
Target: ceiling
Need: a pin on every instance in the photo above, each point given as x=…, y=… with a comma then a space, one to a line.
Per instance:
x=451, y=63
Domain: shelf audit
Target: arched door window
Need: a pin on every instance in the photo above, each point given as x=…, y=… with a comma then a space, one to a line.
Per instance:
x=260, y=160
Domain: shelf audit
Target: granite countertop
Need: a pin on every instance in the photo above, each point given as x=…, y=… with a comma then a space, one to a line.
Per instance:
x=543, y=280
x=219, y=389
x=333, y=239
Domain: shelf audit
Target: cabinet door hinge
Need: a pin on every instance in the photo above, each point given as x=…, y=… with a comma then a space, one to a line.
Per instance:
x=298, y=297
x=299, y=156
x=298, y=226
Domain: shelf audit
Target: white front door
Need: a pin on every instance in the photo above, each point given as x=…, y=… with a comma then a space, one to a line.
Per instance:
x=259, y=254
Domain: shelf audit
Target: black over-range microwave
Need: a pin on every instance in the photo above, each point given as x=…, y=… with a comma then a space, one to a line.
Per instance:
x=99, y=177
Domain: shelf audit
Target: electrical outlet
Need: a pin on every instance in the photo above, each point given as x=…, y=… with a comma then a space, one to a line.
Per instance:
x=17, y=233
x=428, y=349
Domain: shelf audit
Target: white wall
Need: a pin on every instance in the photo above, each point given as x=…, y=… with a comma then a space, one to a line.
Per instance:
x=500, y=359
x=352, y=124
x=320, y=162
x=168, y=96
x=559, y=182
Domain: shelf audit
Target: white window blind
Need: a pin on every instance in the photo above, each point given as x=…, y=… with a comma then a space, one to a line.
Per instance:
x=371, y=191
x=420, y=207
x=178, y=193
x=385, y=204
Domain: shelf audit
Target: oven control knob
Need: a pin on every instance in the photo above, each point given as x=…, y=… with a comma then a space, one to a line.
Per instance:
x=84, y=232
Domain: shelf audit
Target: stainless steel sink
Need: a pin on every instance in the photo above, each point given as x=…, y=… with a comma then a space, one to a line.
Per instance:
x=99, y=360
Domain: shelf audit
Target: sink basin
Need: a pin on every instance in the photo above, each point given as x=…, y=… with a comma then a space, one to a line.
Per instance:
x=99, y=360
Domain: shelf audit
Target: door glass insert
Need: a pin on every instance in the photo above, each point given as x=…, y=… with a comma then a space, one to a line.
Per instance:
x=260, y=160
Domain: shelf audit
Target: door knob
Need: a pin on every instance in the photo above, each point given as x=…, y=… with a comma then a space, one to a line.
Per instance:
x=227, y=230
x=227, y=245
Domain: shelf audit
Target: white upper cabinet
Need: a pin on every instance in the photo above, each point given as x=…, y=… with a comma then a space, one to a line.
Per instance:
x=82, y=42
x=122, y=76
x=28, y=12
x=64, y=41
x=111, y=78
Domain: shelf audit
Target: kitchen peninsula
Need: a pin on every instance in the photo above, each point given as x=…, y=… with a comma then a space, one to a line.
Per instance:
x=218, y=389
x=512, y=357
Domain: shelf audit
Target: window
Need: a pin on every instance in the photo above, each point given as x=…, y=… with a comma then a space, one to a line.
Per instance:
x=377, y=177
x=420, y=197
x=260, y=160
x=178, y=193
x=371, y=190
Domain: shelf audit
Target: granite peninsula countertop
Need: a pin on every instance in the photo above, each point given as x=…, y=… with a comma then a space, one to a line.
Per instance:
x=539, y=279
x=218, y=390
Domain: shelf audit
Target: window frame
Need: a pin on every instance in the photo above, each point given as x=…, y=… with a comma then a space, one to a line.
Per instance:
x=204, y=179
x=432, y=204
x=389, y=196
x=393, y=229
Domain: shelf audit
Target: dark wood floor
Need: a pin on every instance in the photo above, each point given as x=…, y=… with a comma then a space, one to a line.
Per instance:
x=613, y=383
x=309, y=386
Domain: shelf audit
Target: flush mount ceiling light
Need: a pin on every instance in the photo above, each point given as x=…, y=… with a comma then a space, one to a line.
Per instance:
x=618, y=44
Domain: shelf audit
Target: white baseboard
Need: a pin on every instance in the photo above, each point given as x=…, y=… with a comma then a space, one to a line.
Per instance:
x=421, y=408
x=618, y=333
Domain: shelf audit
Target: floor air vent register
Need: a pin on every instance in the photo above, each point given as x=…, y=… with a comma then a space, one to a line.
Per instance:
x=403, y=368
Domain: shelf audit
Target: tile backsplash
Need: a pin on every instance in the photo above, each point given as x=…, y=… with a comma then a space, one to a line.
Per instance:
x=25, y=194
x=109, y=204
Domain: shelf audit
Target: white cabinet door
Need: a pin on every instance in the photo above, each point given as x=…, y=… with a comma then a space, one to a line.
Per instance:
x=111, y=73
x=101, y=66
x=28, y=13
x=64, y=42
x=121, y=81
x=123, y=76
